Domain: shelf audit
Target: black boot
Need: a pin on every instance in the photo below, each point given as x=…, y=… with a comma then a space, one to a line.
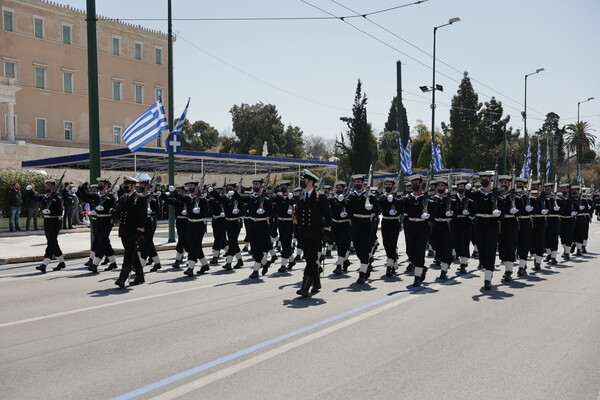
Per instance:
x=282, y=269
x=462, y=269
x=214, y=261
x=410, y=268
x=106, y=261
x=573, y=246
x=303, y=291
x=583, y=250
x=93, y=269
x=487, y=285
x=328, y=254
x=189, y=272
x=111, y=266
x=291, y=265
x=59, y=267
x=137, y=281
x=346, y=265
x=338, y=270
x=265, y=268
x=578, y=254
x=156, y=267
x=537, y=266
x=89, y=263
x=423, y=274
x=203, y=269
x=254, y=275
x=120, y=283
x=41, y=268
x=548, y=258
x=553, y=261
x=417, y=281
x=176, y=264
x=369, y=270
x=508, y=276
x=239, y=264
x=362, y=278
x=444, y=275
x=521, y=272
x=273, y=259
x=227, y=267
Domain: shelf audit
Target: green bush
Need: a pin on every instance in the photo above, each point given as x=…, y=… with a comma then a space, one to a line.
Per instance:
x=7, y=178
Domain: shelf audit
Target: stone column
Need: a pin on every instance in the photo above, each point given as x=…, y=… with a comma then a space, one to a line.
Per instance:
x=11, y=122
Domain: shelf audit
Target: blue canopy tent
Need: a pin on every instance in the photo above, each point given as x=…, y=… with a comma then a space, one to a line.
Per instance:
x=156, y=160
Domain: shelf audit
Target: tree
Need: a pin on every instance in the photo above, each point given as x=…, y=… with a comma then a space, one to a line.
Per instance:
x=356, y=153
x=392, y=122
x=551, y=132
x=291, y=143
x=580, y=138
x=255, y=124
x=489, y=140
x=462, y=132
x=199, y=136
x=318, y=148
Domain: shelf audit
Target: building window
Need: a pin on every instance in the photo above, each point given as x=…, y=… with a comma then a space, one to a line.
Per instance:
x=40, y=128
x=139, y=94
x=159, y=141
x=158, y=55
x=68, y=130
x=116, y=46
x=40, y=78
x=137, y=51
x=10, y=70
x=66, y=34
x=116, y=135
x=67, y=82
x=7, y=20
x=116, y=89
x=38, y=27
x=158, y=95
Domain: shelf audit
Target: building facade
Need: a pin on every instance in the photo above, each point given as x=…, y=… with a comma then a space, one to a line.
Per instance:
x=44, y=79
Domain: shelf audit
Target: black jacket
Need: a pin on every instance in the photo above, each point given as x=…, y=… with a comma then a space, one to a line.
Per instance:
x=14, y=198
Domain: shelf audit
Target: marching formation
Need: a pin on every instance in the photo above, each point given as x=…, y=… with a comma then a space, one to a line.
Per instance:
x=484, y=217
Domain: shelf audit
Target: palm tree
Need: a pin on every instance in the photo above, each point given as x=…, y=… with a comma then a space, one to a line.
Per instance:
x=580, y=137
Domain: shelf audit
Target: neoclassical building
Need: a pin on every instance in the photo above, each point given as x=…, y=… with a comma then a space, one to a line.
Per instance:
x=44, y=80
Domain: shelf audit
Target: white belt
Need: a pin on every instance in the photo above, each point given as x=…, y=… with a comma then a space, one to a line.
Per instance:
x=233, y=219
x=566, y=216
x=361, y=216
x=103, y=215
x=182, y=217
x=52, y=216
x=392, y=218
x=509, y=216
x=197, y=220
x=416, y=219
x=442, y=219
x=485, y=216
x=525, y=217
x=285, y=219
x=259, y=219
x=340, y=221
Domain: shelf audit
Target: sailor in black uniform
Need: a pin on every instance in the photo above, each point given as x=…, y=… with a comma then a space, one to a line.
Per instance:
x=442, y=209
x=52, y=212
x=148, y=249
x=538, y=233
x=552, y=224
x=233, y=225
x=525, y=222
x=389, y=205
x=567, y=219
x=181, y=223
x=341, y=228
x=510, y=204
x=463, y=225
x=283, y=202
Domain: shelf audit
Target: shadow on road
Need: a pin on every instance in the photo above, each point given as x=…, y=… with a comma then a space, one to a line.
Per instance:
x=303, y=302
x=493, y=294
x=355, y=287
x=116, y=291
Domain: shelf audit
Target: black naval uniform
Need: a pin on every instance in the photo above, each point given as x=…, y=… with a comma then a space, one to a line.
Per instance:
x=486, y=230
x=390, y=229
x=538, y=231
x=567, y=223
x=218, y=227
x=525, y=221
x=131, y=212
x=463, y=229
x=313, y=216
x=581, y=223
x=442, y=209
x=148, y=249
x=552, y=228
x=283, y=205
x=198, y=213
x=233, y=226
x=416, y=233
x=361, y=228
x=181, y=224
x=341, y=231
x=509, y=230
x=52, y=212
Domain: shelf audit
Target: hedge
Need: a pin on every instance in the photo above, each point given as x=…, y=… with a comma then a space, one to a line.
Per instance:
x=7, y=178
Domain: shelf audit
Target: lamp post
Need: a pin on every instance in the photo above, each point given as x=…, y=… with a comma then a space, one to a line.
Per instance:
x=583, y=101
x=577, y=144
x=524, y=113
x=435, y=87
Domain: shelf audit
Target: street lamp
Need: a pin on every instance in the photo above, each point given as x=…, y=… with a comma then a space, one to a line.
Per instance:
x=435, y=87
x=524, y=113
x=578, y=103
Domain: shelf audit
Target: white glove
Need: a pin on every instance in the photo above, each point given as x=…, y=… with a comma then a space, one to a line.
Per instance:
x=496, y=213
x=340, y=197
x=196, y=210
x=148, y=211
x=465, y=212
x=468, y=186
x=449, y=213
x=260, y=211
x=393, y=212
x=513, y=210
x=210, y=189
x=343, y=214
x=368, y=207
x=280, y=194
x=230, y=193
x=573, y=213
x=390, y=198
x=45, y=211
x=222, y=215
x=544, y=211
x=117, y=188
x=290, y=196
x=556, y=208
x=171, y=188
x=425, y=216
x=582, y=207
x=80, y=182
x=528, y=208
x=28, y=187
x=235, y=211
x=289, y=211
x=93, y=212
x=99, y=208
x=184, y=212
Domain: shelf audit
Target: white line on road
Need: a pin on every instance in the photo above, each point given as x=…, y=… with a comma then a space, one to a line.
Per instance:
x=116, y=303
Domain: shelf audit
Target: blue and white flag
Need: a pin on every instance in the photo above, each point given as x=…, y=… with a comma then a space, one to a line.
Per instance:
x=579, y=173
x=408, y=158
x=539, y=161
x=146, y=127
x=526, y=169
x=440, y=164
x=547, y=161
x=174, y=143
x=436, y=158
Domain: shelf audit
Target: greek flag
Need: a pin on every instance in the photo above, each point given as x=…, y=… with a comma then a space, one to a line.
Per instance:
x=579, y=173
x=175, y=144
x=539, y=161
x=547, y=160
x=436, y=158
x=405, y=158
x=146, y=127
x=526, y=170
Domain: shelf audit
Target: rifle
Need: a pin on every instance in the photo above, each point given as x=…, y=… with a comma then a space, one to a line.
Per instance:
x=59, y=182
x=201, y=186
x=114, y=186
x=495, y=188
x=527, y=198
x=369, y=183
x=426, y=193
x=513, y=183
x=321, y=184
x=263, y=194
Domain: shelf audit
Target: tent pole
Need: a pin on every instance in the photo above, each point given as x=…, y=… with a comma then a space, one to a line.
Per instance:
x=135, y=163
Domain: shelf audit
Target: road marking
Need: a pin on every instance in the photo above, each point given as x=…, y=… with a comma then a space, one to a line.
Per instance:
x=274, y=352
x=116, y=303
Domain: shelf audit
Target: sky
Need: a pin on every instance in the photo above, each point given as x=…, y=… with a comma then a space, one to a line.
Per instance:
x=309, y=68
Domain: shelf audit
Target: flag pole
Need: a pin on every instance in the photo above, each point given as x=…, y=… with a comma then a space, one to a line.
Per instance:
x=171, y=110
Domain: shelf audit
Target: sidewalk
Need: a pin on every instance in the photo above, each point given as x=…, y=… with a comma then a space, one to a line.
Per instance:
x=18, y=247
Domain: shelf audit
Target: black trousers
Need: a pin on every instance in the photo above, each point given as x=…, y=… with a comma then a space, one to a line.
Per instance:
x=390, y=230
x=538, y=236
x=581, y=222
x=32, y=213
x=463, y=228
x=195, y=235
x=567, y=228
x=524, y=242
x=101, y=243
x=286, y=232
x=181, y=226
x=219, y=234
x=487, y=240
x=441, y=240
x=341, y=232
x=67, y=220
x=233, y=229
x=130, y=259
x=416, y=234
x=361, y=237
x=311, y=244
x=259, y=239
x=507, y=239
x=552, y=232
x=148, y=249
x=51, y=230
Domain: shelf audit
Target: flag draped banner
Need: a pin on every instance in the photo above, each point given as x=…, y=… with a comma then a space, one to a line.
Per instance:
x=146, y=127
x=539, y=161
x=547, y=161
x=526, y=169
x=405, y=158
x=175, y=144
x=436, y=158
x=579, y=173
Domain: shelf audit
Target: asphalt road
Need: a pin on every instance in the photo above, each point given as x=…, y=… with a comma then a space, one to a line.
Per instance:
x=73, y=335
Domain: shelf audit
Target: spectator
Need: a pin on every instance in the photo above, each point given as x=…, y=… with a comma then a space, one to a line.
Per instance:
x=14, y=206
x=68, y=203
x=33, y=207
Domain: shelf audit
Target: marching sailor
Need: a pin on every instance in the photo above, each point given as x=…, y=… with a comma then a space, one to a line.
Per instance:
x=567, y=219
x=233, y=225
x=181, y=223
x=283, y=204
x=148, y=249
x=463, y=225
x=538, y=232
x=341, y=228
x=552, y=224
x=442, y=208
x=52, y=212
x=510, y=204
x=525, y=222
x=389, y=205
